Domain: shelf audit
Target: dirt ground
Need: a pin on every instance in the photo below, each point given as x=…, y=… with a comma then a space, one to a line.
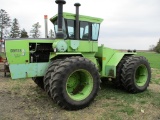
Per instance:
x=23, y=100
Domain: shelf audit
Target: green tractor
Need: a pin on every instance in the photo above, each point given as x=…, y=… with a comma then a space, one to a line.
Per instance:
x=70, y=67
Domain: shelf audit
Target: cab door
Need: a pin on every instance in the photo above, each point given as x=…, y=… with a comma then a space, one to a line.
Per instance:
x=85, y=36
x=94, y=36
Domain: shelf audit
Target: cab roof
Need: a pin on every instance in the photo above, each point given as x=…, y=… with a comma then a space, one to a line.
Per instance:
x=81, y=18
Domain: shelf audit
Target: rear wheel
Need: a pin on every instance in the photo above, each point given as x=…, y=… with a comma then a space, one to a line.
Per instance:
x=117, y=81
x=75, y=83
x=136, y=74
x=39, y=81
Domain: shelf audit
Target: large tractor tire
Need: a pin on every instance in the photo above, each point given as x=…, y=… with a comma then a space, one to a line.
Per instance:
x=39, y=81
x=47, y=76
x=136, y=74
x=75, y=83
x=117, y=81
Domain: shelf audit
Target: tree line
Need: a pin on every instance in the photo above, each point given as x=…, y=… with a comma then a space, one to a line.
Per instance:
x=12, y=29
x=155, y=48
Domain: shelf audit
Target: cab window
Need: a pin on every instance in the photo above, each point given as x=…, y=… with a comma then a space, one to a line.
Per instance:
x=84, y=30
x=70, y=28
x=95, y=31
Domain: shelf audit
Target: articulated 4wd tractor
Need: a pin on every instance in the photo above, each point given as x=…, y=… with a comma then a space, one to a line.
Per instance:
x=70, y=67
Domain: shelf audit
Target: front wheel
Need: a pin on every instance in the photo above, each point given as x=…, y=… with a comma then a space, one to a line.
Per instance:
x=47, y=75
x=75, y=83
x=136, y=74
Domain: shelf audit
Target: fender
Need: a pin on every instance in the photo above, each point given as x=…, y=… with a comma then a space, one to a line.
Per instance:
x=113, y=62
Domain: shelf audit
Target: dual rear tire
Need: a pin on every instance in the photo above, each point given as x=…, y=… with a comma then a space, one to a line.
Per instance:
x=133, y=74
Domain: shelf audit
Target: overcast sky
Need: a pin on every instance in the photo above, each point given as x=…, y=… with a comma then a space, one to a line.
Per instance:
x=128, y=24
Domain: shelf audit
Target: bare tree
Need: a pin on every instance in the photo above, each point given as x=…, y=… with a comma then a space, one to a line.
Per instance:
x=35, y=32
x=4, y=22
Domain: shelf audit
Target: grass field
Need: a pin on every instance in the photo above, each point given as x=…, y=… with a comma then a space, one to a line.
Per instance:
x=153, y=58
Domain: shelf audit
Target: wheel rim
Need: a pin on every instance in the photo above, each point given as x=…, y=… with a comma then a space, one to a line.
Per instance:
x=79, y=85
x=141, y=75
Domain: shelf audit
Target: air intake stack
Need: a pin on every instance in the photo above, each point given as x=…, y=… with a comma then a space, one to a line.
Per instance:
x=60, y=34
x=77, y=20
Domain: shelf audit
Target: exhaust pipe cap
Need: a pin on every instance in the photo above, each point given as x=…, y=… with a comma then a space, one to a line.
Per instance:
x=60, y=1
x=77, y=4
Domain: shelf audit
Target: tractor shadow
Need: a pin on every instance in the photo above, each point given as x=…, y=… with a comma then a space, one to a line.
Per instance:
x=110, y=91
x=109, y=86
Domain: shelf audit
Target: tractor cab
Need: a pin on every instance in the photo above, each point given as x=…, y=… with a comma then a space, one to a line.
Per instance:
x=88, y=27
x=74, y=31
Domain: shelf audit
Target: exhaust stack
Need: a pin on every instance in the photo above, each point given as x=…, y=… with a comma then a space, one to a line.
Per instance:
x=77, y=19
x=60, y=34
x=46, y=25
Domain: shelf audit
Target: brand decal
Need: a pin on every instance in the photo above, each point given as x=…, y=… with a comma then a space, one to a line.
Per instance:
x=15, y=50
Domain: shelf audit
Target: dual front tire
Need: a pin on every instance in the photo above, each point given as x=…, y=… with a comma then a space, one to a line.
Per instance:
x=74, y=84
